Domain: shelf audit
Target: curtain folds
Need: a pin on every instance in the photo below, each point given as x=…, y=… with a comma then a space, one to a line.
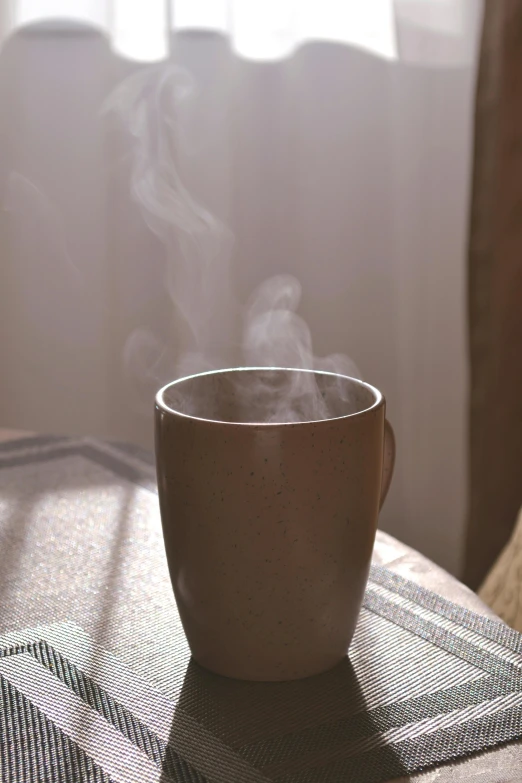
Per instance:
x=431, y=32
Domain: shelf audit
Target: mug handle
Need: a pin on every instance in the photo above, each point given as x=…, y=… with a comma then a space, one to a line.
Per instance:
x=388, y=460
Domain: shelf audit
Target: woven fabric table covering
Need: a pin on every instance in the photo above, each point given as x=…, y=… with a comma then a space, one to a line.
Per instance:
x=96, y=681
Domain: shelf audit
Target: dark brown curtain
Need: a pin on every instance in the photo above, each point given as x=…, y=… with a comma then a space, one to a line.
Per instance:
x=495, y=292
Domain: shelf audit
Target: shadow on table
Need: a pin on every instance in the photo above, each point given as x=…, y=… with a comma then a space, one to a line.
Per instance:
x=292, y=732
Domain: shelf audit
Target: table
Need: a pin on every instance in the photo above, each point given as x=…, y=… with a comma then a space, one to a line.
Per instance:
x=118, y=600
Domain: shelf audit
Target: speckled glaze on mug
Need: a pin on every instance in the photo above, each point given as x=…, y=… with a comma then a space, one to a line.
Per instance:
x=269, y=528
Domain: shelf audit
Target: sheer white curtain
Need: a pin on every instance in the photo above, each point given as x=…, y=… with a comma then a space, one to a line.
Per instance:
x=332, y=139
x=433, y=30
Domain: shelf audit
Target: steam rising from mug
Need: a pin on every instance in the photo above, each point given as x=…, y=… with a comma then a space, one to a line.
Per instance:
x=198, y=269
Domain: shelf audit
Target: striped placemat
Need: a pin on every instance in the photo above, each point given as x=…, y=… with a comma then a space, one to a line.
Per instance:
x=96, y=681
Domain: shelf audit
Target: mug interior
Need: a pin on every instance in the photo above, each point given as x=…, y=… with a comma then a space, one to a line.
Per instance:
x=268, y=395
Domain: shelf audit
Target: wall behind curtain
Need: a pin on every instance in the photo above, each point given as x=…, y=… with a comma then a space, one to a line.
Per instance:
x=341, y=167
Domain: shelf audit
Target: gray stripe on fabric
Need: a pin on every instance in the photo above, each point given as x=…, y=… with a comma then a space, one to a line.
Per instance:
x=174, y=766
x=439, y=636
x=119, y=466
x=474, y=638
x=391, y=761
x=30, y=442
x=494, y=630
x=33, y=748
x=364, y=725
x=138, y=452
x=114, y=713
x=109, y=462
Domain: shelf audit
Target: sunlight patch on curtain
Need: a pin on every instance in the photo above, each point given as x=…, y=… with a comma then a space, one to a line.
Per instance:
x=429, y=32
x=258, y=29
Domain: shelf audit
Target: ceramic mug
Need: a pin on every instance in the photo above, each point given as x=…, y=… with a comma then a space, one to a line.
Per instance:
x=269, y=526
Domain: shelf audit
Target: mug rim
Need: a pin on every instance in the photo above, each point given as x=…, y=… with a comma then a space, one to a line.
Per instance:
x=161, y=405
